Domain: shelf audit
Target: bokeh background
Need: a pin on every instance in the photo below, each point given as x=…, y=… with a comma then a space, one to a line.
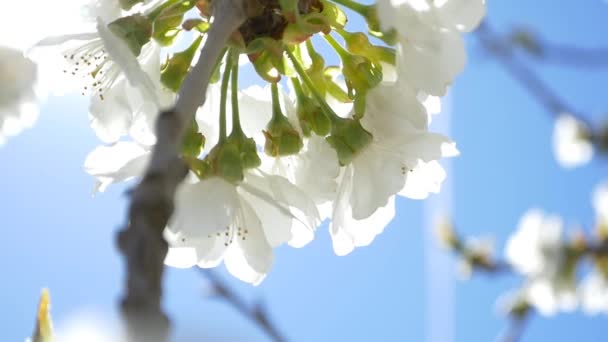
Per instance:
x=403, y=287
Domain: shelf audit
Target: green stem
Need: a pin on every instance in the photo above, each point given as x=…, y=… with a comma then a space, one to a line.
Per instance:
x=297, y=86
x=355, y=6
x=224, y=95
x=236, y=122
x=304, y=76
x=276, y=106
x=334, y=44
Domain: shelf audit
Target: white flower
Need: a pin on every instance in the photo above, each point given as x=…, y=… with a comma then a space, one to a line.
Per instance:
x=593, y=293
x=314, y=170
x=239, y=224
x=571, y=144
x=93, y=62
x=536, y=251
x=125, y=109
x=18, y=109
x=534, y=247
x=552, y=295
x=431, y=52
x=401, y=145
x=600, y=204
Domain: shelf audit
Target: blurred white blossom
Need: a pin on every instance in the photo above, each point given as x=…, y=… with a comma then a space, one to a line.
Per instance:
x=572, y=146
x=18, y=108
x=536, y=251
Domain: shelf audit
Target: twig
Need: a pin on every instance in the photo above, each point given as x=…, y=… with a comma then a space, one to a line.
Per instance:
x=504, y=53
x=557, y=53
x=257, y=315
x=516, y=329
x=152, y=201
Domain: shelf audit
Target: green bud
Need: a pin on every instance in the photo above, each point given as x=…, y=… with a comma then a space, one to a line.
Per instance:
x=175, y=69
x=135, y=30
x=373, y=23
x=348, y=138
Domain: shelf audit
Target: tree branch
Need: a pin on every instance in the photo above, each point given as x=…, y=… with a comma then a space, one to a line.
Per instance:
x=257, y=315
x=152, y=201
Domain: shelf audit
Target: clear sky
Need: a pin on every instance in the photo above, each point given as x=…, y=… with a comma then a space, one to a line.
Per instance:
x=56, y=235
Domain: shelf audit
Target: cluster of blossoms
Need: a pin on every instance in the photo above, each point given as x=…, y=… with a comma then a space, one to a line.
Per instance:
x=550, y=265
x=269, y=163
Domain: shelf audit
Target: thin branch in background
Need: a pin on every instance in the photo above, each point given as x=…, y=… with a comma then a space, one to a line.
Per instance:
x=557, y=53
x=504, y=52
x=152, y=201
x=516, y=329
x=257, y=314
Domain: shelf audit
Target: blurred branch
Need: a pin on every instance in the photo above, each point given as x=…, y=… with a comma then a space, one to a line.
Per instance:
x=504, y=52
x=257, y=314
x=516, y=329
x=152, y=200
x=567, y=55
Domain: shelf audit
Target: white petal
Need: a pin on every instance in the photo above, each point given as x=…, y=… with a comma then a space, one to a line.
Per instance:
x=250, y=257
x=425, y=178
x=463, y=15
x=128, y=63
x=347, y=232
x=117, y=163
x=203, y=214
x=377, y=176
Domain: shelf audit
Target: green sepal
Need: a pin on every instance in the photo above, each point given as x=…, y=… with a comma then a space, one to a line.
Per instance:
x=311, y=117
x=201, y=168
x=135, y=30
x=128, y=4
x=266, y=54
x=358, y=43
x=336, y=17
x=329, y=74
x=306, y=26
x=225, y=161
x=194, y=141
x=348, y=138
x=167, y=23
x=247, y=150
x=289, y=9
x=281, y=138
x=175, y=69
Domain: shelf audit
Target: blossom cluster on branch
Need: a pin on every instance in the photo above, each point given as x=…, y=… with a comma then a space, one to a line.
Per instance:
x=267, y=164
x=558, y=274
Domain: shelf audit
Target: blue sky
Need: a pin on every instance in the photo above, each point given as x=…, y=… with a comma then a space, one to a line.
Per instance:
x=57, y=235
